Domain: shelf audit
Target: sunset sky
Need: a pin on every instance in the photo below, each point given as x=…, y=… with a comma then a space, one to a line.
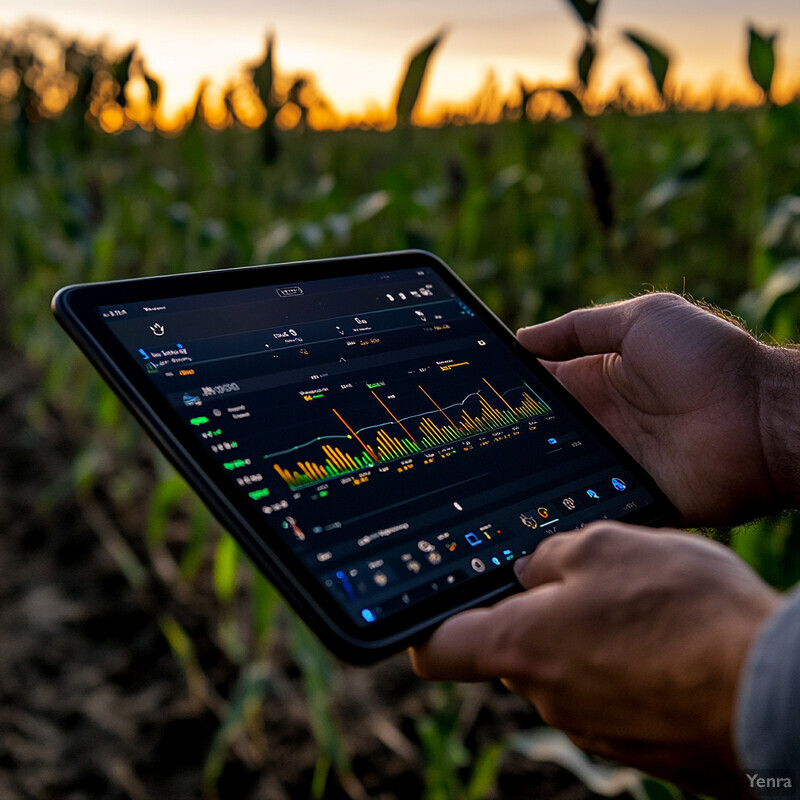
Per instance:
x=357, y=48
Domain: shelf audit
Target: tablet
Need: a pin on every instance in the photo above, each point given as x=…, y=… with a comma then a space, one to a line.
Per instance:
x=370, y=433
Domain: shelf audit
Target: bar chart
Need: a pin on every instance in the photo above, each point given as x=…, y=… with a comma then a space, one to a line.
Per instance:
x=352, y=449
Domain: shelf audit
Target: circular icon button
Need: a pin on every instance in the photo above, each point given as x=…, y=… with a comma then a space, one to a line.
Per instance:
x=618, y=484
x=478, y=565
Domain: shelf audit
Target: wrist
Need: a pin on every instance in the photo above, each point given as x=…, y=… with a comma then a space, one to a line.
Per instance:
x=779, y=422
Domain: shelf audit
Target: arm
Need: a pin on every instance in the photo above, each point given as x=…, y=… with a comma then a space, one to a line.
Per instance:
x=634, y=643
x=768, y=703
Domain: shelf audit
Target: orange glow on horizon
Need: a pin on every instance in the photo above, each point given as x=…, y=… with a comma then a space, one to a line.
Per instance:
x=620, y=81
x=546, y=103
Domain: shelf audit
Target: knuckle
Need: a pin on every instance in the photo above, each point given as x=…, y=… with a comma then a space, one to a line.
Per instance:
x=547, y=548
x=657, y=300
x=594, y=542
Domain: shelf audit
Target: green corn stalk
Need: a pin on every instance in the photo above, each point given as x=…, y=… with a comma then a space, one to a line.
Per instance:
x=243, y=711
x=318, y=670
x=451, y=773
x=263, y=77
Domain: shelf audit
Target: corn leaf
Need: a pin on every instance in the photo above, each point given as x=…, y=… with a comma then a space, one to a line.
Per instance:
x=573, y=102
x=249, y=692
x=225, y=560
x=586, y=61
x=121, y=71
x=761, y=59
x=760, y=305
x=484, y=771
x=154, y=88
x=657, y=59
x=317, y=668
x=179, y=642
x=586, y=10
x=168, y=495
x=264, y=75
x=411, y=85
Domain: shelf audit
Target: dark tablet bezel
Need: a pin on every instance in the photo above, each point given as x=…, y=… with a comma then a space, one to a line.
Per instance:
x=76, y=308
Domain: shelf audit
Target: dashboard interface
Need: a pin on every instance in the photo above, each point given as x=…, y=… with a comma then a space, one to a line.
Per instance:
x=392, y=440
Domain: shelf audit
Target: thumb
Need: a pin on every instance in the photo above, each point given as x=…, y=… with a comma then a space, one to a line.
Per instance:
x=587, y=331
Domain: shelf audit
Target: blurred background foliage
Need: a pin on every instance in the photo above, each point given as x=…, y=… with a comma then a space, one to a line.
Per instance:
x=548, y=204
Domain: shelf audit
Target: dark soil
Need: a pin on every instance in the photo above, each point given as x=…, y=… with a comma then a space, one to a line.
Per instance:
x=93, y=704
x=89, y=690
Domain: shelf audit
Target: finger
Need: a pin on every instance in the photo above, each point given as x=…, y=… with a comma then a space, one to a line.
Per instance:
x=546, y=563
x=587, y=331
x=485, y=643
x=450, y=653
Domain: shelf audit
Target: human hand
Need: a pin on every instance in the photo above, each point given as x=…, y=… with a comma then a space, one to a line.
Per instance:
x=630, y=641
x=694, y=398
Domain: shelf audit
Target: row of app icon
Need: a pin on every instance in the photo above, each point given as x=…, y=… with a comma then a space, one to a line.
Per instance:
x=413, y=294
x=477, y=565
x=423, y=555
x=550, y=512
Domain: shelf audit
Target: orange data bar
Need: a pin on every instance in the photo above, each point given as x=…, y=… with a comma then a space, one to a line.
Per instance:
x=334, y=457
x=490, y=412
x=394, y=418
x=386, y=447
x=528, y=404
x=385, y=440
x=367, y=449
x=468, y=422
x=284, y=473
x=311, y=470
x=391, y=444
x=438, y=407
x=429, y=429
x=497, y=393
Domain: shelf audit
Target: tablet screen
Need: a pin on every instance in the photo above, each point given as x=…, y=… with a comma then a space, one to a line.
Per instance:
x=387, y=433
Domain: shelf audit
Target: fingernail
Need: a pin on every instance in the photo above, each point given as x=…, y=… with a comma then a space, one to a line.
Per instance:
x=519, y=565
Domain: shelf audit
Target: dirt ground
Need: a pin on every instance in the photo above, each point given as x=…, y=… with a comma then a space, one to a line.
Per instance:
x=93, y=704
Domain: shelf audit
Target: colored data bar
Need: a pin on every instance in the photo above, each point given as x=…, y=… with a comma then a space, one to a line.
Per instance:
x=391, y=448
x=337, y=465
x=430, y=432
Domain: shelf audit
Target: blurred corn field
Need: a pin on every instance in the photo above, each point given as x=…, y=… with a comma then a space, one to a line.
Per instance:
x=539, y=213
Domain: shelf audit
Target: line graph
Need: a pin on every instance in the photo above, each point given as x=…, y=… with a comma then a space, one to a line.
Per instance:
x=358, y=448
